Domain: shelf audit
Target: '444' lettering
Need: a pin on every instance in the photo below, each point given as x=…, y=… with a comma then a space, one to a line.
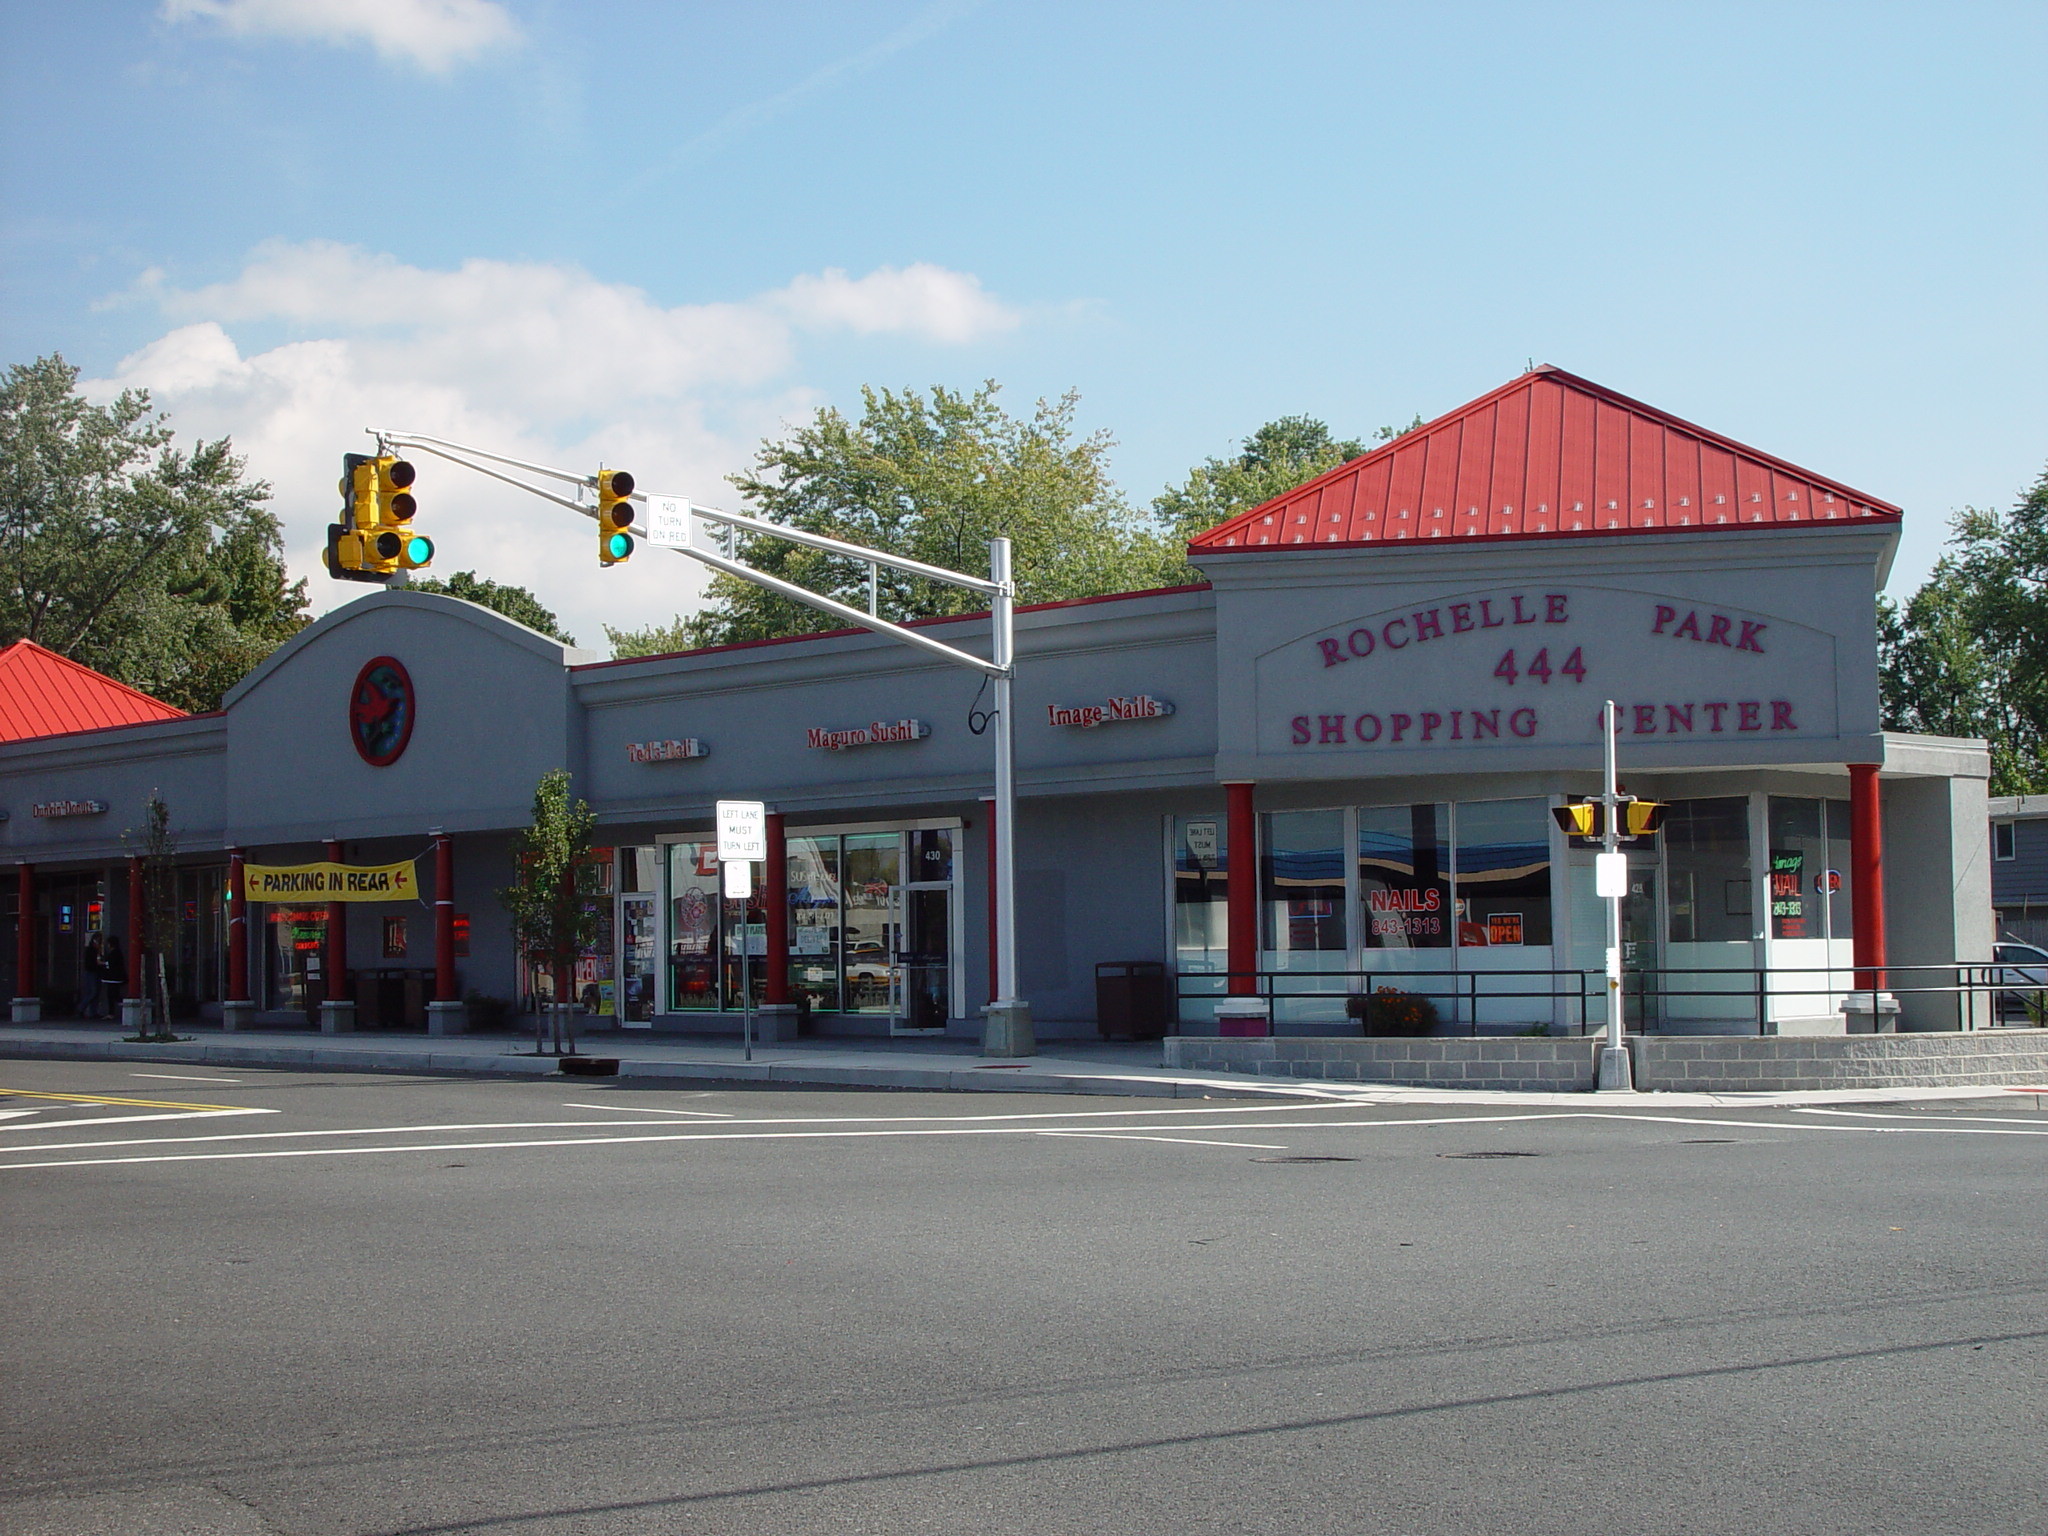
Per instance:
x=1539, y=667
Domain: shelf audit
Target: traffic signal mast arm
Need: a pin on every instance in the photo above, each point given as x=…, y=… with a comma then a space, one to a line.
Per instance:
x=459, y=453
x=1008, y=1032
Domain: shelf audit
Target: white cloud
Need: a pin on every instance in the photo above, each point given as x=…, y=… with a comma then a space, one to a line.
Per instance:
x=433, y=34
x=531, y=360
x=921, y=299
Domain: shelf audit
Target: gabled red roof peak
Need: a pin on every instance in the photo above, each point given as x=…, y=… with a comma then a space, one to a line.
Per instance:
x=1547, y=455
x=44, y=694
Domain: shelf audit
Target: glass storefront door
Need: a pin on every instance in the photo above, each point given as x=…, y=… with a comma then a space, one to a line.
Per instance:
x=1641, y=999
x=925, y=961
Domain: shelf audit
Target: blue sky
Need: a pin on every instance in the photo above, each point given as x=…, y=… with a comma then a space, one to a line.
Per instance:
x=653, y=233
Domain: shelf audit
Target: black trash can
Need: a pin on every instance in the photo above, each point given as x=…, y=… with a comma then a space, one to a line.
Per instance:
x=1130, y=999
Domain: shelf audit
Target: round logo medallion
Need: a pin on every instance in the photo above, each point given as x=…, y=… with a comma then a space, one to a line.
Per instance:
x=380, y=711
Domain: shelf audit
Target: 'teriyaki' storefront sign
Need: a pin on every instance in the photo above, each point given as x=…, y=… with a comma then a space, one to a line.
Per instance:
x=1525, y=665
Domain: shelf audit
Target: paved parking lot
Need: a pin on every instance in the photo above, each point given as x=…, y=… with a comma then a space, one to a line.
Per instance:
x=307, y=1303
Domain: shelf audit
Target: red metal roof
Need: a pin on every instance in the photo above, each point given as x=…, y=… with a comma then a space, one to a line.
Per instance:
x=44, y=694
x=1547, y=455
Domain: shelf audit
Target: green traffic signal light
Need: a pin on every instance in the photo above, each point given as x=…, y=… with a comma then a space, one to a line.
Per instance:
x=419, y=550
x=617, y=546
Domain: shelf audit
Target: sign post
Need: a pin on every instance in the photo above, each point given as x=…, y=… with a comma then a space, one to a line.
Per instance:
x=742, y=840
x=1610, y=881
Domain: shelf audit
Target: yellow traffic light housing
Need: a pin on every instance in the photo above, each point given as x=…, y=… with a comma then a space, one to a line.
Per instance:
x=1642, y=818
x=614, y=516
x=376, y=542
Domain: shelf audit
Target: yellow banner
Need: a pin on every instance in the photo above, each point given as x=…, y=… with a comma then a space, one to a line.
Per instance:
x=332, y=882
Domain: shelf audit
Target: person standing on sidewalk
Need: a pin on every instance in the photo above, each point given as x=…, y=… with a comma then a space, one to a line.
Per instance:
x=114, y=972
x=91, y=978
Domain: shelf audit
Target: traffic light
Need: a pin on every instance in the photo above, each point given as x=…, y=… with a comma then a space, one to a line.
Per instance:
x=614, y=516
x=345, y=553
x=395, y=541
x=376, y=542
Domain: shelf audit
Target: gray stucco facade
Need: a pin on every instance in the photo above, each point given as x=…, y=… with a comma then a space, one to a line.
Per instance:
x=1408, y=714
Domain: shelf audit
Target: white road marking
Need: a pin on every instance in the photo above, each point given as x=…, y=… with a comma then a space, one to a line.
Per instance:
x=184, y=1114
x=639, y=1109
x=16, y=1114
x=537, y=1125
x=1871, y=1114
x=185, y=1077
x=1185, y=1141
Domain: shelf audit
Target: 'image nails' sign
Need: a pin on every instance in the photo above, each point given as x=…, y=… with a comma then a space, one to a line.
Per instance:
x=875, y=734
x=1137, y=706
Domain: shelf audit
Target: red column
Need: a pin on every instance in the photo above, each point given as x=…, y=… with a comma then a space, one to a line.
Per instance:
x=988, y=806
x=1866, y=870
x=238, y=929
x=444, y=920
x=1241, y=849
x=775, y=903
x=337, y=939
x=25, y=933
x=135, y=927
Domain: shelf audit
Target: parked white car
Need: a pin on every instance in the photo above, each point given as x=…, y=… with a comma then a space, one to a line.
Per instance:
x=2024, y=969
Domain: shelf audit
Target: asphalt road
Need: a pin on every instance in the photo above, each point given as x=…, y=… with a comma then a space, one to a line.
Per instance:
x=411, y=1305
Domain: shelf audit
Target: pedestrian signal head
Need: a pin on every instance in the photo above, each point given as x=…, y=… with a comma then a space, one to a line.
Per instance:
x=614, y=516
x=1644, y=817
x=1580, y=820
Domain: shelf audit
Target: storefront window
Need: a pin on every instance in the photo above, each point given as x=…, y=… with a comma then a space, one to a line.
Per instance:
x=1809, y=888
x=1708, y=894
x=1201, y=878
x=873, y=866
x=1503, y=873
x=693, y=925
x=814, y=919
x=1303, y=871
x=1404, y=884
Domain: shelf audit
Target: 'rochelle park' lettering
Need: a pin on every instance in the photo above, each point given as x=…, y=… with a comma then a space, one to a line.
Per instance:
x=1427, y=624
x=1719, y=625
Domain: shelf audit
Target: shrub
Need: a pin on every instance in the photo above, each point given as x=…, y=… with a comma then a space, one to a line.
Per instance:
x=1390, y=1011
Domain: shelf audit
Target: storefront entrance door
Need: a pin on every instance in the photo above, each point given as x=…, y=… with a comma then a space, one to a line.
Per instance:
x=636, y=961
x=1641, y=1003
x=924, y=962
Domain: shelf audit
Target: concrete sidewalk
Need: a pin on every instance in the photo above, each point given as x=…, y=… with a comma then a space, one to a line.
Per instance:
x=1119, y=1068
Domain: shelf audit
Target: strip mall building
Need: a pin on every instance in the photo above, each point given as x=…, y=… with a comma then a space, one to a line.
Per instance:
x=1331, y=765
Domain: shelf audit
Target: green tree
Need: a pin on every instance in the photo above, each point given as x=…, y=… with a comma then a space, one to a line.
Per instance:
x=654, y=640
x=1967, y=654
x=552, y=919
x=156, y=846
x=157, y=566
x=516, y=603
x=1274, y=460
x=932, y=477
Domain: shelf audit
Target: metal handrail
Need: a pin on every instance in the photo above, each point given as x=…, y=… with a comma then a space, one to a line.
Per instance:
x=1761, y=985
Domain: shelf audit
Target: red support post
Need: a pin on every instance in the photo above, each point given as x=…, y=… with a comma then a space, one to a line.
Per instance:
x=25, y=933
x=444, y=920
x=1241, y=889
x=1866, y=871
x=135, y=926
x=775, y=908
x=989, y=818
x=337, y=938
x=238, y=928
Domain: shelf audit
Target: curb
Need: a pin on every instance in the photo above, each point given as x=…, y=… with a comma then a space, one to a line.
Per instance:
x=942, y=1079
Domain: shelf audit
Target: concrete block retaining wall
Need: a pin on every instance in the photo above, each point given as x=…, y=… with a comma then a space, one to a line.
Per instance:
x=1697, y=1063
